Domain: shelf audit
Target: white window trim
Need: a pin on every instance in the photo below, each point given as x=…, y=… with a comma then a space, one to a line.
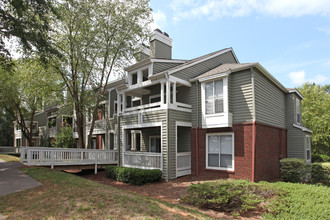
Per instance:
x=154, y=136
x=223, y=119
x=233, y=152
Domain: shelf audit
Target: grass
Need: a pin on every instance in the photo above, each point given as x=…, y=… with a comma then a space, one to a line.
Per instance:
x=9, y=158
x=280, y=200
x=300, y=201
x=66, y=196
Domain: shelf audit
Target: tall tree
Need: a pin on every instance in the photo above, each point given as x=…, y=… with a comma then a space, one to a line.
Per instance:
x=24, y=90
x=6, y=128
x=316, y=115
x=28, y=22
x=96, y=38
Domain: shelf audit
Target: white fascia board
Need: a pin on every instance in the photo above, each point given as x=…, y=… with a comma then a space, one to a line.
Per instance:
x=199, y=61
x=297, y=92
x=180, y=81
x=143, y=125
x=167, y=61
x=271, y=77
x=302, y=128
x=216, y=76
x=146, y=51
x=144, y=84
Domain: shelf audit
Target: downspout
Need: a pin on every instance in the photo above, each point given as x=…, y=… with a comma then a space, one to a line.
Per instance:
x=254, y=132
x=196, y=131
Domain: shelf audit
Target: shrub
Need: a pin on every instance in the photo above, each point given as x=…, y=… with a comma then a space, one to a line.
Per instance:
x=133, y=175
x=320, y=158
x=321, y=173
x=293, y=170
x=64, y=138
x=236, y=197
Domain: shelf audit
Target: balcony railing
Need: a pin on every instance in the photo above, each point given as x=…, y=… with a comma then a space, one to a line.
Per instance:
x=143, y=160
x=45, y=156
x=158, y=105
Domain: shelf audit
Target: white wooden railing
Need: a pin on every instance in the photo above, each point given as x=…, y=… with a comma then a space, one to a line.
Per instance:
x=45, y=156
x=183, y=164
x=143, y=160
x=143, y=107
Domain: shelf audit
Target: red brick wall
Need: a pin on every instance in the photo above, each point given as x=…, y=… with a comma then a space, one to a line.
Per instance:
x=270, y=148
x=242, y=152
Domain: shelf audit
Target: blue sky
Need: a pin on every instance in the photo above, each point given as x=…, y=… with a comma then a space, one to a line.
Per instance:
x=290, y=38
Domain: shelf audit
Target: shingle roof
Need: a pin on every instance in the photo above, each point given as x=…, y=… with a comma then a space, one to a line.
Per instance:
x=225, y=68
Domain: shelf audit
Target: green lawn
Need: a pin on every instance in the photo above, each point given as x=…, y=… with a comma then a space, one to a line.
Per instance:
x=66, y=196
x=9, y=158
x=300, y=201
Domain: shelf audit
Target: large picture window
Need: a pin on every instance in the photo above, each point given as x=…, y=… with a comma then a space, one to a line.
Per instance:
x=214, y=97
x=220, y=151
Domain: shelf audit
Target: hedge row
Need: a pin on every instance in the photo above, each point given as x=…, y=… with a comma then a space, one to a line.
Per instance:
x=320, y=158
x=296, y=170
x=133, y=176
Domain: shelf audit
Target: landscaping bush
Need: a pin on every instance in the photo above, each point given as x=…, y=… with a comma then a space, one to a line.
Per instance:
x=294, y=170
x=320, y=158
x=321, y=173
x=133, y=176
x=236, y=197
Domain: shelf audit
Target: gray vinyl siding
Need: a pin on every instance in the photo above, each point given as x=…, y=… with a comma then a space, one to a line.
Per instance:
x=160, y=50
x=295, y=136
x=269, y=101
x=188, y=95
x=173, y=117
x=41, y=118
x=241, y=96
x=200, y=68
x=162, y=66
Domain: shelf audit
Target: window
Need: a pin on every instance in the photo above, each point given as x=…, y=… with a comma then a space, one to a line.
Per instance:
x=214, y=97
x=308, y=148
x=220, y=151
x=154, y=144
x=112, y=141
x=145, y=74
x=298, y=111
x=134, y=78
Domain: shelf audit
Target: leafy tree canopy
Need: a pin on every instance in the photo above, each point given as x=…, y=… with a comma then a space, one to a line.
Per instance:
x=28, y=22
x=316, y=115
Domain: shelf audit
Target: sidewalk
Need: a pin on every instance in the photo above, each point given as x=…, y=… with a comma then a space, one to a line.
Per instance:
x=13, y=180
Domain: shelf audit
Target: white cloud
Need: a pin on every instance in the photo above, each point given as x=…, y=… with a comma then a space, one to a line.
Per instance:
x=298, y=78
x=160, y=20
x=324, y=29
x=213, y=9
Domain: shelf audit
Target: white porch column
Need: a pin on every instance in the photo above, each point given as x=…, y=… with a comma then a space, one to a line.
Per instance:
x=139, y=77
x=168, y=93
x=133, y=141
x=124, y=102
x=162, y=93
x=174, y=93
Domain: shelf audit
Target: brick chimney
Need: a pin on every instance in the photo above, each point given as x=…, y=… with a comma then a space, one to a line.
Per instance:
x=160, y=45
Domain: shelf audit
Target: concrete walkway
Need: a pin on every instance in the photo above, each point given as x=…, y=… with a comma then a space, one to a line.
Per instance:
x=13, y=180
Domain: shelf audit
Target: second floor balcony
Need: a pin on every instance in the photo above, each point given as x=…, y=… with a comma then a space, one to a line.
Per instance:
x=164, y=93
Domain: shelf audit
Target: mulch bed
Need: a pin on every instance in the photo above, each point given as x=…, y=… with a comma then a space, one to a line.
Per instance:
x=170, y=191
